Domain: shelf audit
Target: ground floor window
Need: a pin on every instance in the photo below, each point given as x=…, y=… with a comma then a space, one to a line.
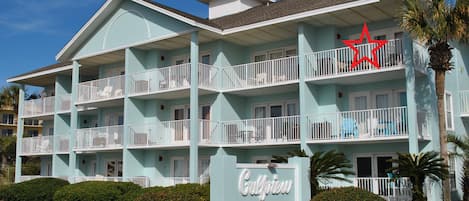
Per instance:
x=114, y=168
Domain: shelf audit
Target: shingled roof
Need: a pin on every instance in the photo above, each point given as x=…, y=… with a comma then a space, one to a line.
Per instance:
x=259, y=13
x=273, y=10
x=42, y=69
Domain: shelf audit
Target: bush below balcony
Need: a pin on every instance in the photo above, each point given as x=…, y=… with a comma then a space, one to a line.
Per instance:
x=347, y=194
x=96, y=191
x=41, y=189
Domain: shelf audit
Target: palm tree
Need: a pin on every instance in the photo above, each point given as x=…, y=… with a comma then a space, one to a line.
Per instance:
x=324, y=166
x=9, y=96
x=463, y=144
x=418, y=167
x=437, y=23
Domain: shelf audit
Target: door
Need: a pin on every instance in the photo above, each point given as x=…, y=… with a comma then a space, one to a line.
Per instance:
x=114, y=168
x=180, y=126
x=205, y=125
x=275, y=126
x=356, y=123
x=179, y=170
x=204, y=165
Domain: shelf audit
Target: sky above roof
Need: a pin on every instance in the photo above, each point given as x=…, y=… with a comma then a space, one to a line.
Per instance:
x=33, y=32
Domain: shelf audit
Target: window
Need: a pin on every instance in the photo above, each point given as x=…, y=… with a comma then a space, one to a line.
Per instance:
x=7, y=132
x=8, y=118
x=449, y=111
x=33, y=133
x=205, y=59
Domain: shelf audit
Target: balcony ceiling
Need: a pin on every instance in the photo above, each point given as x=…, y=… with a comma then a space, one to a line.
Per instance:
x=179, y=42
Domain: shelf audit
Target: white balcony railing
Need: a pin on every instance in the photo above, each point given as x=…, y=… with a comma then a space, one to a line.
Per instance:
x=37, y=145
x=393, y=189
x=65, y=103
x=172, y=78
x=62, y=143
x=261, y=131
x=208, y=76
x=260, y=74
x=360, y=124
x=161, y=79
x=464, y=102
x=338, y=61
x=102, y=89
x=107, y=137
x=174, y=132
x=37, y=107
x=178, y=180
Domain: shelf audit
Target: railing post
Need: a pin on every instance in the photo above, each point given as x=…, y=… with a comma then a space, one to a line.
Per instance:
x=336, y=68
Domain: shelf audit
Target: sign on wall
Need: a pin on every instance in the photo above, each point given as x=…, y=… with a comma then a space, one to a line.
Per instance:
x=231, y=181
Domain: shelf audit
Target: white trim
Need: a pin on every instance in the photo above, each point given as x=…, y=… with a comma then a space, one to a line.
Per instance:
x=263, y=166
x=452, y=111
x=55, y=70
x=168, y=36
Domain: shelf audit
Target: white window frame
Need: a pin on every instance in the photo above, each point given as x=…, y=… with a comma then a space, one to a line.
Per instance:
x=267, y=52
x=268, y=104
x=452, y=110
x=186, y=57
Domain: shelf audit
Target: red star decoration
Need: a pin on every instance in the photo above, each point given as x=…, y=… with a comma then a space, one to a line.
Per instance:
x=351, y=43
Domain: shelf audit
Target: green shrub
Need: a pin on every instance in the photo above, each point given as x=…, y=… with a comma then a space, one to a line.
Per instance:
x=95, y=191
x=132, y=195
x=346, y=194
x=182, y=192
x=41, y=189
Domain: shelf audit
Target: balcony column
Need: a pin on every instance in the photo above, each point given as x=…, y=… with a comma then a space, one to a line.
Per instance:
x=302, y=87
x=55, y=147
x=194, y=105
x=73, y=165
x=126, y=155
x=410, y=90
x=19, y=134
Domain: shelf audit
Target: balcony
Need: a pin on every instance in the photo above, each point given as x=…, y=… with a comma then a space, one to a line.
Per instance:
x=390, y=189
x=363, y=125
x=62, y=144
x=464, y=102
x=334, y=66
x=42, y=107
x=96, y=92
x=141, y=180
x=263, y=131
x=171, y=181
x=270, y=73
x=100, y=138
x=172, y=81
x=65, y=104
x=41, y=145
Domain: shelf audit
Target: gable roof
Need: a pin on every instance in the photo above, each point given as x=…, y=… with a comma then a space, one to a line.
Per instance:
x=223, y=25
x=43, y=70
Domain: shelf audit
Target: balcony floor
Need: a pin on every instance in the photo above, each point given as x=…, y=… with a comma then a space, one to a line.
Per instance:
x=397, y=72
x=265, y=90
x=48, y=116
x=94, y=150
x=165, y=147
x=366, y=140
x=170, y=94
x=112, y=102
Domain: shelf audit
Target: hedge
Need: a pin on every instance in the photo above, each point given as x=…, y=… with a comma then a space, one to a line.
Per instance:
x=95, y=191
x=346, y=194
x=41, y=189
x=181, y=192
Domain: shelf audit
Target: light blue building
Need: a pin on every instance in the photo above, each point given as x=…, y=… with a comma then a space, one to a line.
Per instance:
x=147, y=93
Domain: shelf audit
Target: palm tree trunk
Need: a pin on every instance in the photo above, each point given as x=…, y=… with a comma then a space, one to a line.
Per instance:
x=440, y=76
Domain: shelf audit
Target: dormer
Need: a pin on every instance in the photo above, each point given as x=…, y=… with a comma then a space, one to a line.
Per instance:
x=220, y=8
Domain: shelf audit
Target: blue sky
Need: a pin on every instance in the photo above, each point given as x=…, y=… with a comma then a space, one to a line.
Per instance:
x=32, y=32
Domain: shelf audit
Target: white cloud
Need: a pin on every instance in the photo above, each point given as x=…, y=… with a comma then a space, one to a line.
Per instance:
x=37, y=16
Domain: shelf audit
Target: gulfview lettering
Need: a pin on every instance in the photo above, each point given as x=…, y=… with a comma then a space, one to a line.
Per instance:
x=263, y=185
